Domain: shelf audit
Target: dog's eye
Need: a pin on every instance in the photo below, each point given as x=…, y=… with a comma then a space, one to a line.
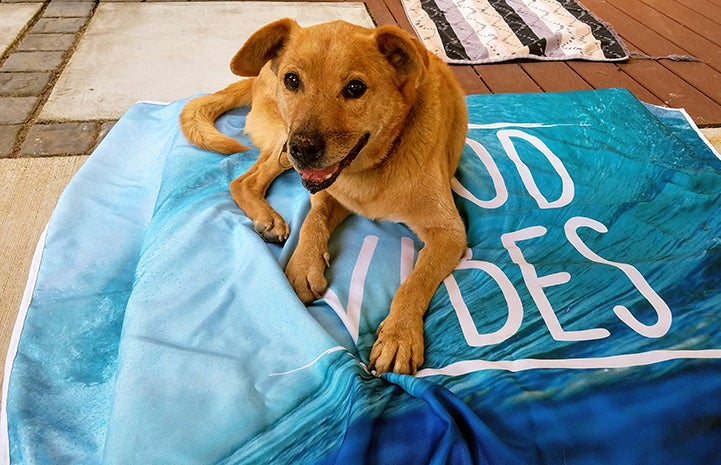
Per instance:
x=355, y=89
x=291, y=81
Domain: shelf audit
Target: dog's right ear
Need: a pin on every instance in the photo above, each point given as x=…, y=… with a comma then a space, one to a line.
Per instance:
x=263, y=46
x=406, y=54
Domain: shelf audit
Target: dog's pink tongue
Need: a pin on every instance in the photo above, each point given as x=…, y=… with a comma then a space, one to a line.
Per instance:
x=317, y=175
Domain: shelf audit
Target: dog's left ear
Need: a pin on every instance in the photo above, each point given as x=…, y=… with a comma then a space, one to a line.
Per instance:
x=406, y=54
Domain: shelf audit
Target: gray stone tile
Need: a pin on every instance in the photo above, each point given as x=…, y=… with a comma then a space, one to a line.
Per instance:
x=58, y=25
x=60, y=139
x=16, y=110
x=104, y=129
x=68, y=9
x=33, y=61
x=23, y=84
x=8, y=137
x=46, y=42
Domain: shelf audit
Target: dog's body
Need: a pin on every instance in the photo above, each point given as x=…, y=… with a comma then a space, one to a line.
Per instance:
x=375, y=125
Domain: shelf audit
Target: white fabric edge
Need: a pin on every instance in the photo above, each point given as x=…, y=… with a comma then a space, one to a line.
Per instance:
x=700, y=133
x=153, y=102
x=14, y=341
x=609, y=362
x=693, y=125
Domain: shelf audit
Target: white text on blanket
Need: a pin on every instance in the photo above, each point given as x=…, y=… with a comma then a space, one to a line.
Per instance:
x=512, y=242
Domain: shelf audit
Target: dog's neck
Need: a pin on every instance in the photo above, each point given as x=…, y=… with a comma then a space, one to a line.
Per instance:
x=403, y=126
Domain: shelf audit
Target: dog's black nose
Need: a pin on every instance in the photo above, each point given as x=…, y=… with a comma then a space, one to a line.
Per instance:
x=306, y=147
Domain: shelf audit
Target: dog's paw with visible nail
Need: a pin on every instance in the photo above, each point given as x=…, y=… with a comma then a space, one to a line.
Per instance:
x=306, y=273
x=272, y=228
x=399, y=346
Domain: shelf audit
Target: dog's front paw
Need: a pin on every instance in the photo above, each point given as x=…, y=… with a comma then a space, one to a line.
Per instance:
x=272, y=227
x=399, y=346
x=307, y=276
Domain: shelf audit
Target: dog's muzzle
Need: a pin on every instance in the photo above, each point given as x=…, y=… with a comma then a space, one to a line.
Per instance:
x=305, y=150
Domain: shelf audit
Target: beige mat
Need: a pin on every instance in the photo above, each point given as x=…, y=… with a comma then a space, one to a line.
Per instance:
x=714, y=136
x=30, y=190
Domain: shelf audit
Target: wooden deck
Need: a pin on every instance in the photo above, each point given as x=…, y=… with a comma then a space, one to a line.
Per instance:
x=656, y=28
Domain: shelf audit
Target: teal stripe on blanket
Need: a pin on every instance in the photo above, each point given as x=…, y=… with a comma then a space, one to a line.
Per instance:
x=581, y=327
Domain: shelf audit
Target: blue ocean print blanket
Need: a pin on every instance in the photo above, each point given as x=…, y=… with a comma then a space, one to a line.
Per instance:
x=581, y=327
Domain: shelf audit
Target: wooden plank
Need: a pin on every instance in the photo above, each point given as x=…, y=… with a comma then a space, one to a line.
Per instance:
x=642, y=35
x=699, y=75
x=703, y=7
x=554, y=76
x=506, y=78
x=689, y=18
x=380, y=12
x=639, y=37
x=674, y=91
x=607, y=75
x=684, y=38
x=399, y=13
x=469, y=80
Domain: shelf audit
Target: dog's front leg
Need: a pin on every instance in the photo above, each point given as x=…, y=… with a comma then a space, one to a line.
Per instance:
x=399, y=346
x=306, y=267
x=248, y=191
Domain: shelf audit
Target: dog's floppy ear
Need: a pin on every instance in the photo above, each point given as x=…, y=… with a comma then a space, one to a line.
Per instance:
x=406, y=54
x=263, y=46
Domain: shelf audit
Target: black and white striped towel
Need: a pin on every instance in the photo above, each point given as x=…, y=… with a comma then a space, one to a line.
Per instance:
x=488, y=31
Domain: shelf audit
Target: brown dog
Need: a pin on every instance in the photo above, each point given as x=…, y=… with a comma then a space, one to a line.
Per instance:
x=375, y=125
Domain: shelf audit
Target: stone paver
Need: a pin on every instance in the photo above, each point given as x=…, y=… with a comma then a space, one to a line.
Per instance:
x=60, y=139
x=69, y=9
x=16, y=110
x=105, y=128
x=58, y=25
x=8, y=135
x=23, y=84
x=33, y=61
x=46, y=42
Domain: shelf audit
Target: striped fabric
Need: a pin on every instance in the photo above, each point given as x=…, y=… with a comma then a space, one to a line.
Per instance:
x=488, y=31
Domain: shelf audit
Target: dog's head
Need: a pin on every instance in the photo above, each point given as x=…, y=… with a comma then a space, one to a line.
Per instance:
x=343, y=91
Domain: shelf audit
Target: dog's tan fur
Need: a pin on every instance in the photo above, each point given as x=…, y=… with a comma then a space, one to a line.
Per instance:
x=308, y=110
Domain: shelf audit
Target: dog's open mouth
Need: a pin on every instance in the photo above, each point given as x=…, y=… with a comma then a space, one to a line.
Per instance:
x=317, y=179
